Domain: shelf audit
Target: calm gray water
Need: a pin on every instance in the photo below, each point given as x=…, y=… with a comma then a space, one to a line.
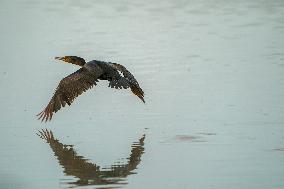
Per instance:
x=212, y=71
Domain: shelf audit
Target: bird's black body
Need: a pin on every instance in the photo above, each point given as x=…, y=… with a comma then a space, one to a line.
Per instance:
x=108, y=72
x=85, y=78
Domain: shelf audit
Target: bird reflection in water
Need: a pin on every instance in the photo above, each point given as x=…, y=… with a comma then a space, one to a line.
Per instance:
x=90, y=173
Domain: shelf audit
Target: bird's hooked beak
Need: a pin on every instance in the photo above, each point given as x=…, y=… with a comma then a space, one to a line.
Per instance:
x=60, y=58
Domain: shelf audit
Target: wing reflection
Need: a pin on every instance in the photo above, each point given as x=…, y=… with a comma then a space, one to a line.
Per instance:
x=90, y=173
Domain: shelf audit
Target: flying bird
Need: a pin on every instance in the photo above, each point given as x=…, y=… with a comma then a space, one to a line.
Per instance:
x=85, y=78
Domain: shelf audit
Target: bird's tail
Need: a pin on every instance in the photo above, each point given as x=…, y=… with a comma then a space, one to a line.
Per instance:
x=138, y=92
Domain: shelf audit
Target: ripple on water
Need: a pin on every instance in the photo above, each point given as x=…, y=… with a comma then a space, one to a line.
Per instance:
x=279, y=149
x=188, y=138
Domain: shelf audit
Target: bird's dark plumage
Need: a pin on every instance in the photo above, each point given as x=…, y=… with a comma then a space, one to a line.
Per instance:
x=85, y=78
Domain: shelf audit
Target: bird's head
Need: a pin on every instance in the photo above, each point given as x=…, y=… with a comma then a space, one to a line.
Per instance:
x=72, y=59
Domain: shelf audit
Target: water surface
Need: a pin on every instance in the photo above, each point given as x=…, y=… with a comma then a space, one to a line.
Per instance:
x=212, y=71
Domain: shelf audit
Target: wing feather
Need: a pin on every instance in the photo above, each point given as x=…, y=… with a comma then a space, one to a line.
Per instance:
x=127, y=81
x=68, y=89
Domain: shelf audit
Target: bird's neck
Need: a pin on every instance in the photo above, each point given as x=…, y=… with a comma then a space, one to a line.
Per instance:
x=79, y=62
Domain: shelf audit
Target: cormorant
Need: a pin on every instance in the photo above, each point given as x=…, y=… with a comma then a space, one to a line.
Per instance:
x=85, y=78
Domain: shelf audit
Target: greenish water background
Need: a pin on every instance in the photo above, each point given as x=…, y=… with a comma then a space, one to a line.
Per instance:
x=212, y=71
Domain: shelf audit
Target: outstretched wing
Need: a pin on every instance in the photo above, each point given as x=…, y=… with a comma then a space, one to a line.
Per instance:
x=119, y=82
x=127, y=81
x=68, y=89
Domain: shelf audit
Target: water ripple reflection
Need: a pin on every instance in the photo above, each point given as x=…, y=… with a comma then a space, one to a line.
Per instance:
x=90, y=173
